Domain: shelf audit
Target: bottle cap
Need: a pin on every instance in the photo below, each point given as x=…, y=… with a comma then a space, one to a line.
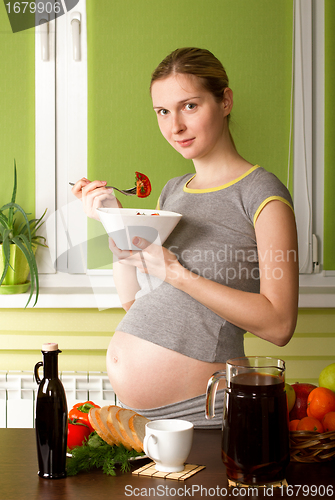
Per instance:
x=50, y=347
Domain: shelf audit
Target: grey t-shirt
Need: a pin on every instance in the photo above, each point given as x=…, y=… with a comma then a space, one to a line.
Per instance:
x=215, y=239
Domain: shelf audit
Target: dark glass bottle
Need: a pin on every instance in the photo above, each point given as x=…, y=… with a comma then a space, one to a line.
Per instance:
x=51, y=416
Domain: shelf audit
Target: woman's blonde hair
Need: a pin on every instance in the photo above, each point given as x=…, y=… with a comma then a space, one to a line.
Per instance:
x=197, y=62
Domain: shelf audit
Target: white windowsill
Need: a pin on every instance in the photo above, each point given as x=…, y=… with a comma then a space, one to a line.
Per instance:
x=67, y=297
x=316, y=290
x=94, y=291
x=107, y=298
x=60, y=290
x=312, y=297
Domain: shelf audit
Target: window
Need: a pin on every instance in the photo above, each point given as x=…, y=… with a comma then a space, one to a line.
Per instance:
x=62, y=154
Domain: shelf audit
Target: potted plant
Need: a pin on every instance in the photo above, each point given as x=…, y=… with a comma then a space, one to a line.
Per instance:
x=18, y=243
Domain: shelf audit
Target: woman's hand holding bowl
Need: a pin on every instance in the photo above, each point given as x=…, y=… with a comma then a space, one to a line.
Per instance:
x=150, y=259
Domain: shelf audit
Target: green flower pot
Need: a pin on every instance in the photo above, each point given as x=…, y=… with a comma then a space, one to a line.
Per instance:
x=16, y=278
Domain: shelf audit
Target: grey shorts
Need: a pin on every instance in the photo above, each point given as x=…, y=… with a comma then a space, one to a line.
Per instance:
x=192, y=410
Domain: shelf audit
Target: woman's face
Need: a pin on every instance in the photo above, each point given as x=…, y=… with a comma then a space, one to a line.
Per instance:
x=189, y=117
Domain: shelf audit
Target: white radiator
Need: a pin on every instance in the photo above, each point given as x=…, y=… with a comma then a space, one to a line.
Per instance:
x=18, y=393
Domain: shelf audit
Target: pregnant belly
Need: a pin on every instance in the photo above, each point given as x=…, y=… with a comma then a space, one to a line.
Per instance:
x=145, y=375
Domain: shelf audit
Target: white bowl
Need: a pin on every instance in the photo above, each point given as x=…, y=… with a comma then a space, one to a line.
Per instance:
x=123, y=224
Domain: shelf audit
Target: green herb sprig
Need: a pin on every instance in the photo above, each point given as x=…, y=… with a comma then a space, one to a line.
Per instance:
x=96, y=453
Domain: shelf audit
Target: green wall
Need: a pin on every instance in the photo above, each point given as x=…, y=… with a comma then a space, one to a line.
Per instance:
x=17, y=113
x=128, y=39
x=84, y=335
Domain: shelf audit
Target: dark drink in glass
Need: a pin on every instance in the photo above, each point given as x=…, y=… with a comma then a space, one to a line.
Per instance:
x=255, y=435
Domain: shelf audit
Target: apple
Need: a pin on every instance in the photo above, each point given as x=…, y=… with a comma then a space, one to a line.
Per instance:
x=302, y=391
x=327, y=377
x=291, y=396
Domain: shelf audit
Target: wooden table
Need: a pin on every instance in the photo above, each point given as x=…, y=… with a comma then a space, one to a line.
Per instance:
x=19, y=479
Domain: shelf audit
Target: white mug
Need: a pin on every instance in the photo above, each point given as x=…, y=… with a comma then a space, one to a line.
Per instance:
x=168, y=443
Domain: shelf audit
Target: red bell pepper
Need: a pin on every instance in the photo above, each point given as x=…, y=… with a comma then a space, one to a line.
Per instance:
x=80, y=413
x=77, y=433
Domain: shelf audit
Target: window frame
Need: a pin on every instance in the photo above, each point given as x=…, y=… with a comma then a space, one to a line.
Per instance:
x=320, y=280
x=61, y=131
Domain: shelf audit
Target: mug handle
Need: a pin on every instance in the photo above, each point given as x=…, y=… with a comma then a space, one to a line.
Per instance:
x=146, y=446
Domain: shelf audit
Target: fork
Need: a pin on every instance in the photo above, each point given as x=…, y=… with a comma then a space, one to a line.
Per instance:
x=128, y=192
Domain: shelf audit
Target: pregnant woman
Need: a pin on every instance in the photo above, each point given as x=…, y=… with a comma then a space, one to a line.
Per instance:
x=230, y=266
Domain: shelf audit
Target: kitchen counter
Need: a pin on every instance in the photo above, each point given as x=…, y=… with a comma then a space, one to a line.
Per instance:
x=19, y=479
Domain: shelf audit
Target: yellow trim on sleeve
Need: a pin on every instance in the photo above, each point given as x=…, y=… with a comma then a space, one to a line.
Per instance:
x=266, y=201
x=158, y=204
x=218, y=188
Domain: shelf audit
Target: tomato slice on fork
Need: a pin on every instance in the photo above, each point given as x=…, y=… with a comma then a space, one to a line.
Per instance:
x=143, y=185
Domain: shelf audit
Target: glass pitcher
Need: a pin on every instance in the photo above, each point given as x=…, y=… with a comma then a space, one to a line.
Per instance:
x=255, y=433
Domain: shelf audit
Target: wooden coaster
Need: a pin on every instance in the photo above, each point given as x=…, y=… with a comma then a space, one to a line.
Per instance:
x=150, y=470
x=236, y=484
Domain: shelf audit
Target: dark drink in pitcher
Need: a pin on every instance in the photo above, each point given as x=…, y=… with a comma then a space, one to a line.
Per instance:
x=255, y=435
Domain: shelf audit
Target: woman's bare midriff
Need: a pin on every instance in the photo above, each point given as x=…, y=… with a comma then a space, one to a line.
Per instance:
x=145, y=375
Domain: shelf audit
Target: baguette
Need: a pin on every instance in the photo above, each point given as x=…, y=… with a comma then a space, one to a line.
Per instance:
x=93, y=419
x=137, y=426
x=114, y=428
x=101, y=417
x=117, y=426
x=123, y=416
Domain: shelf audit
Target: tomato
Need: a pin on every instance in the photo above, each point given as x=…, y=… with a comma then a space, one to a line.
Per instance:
x=77, y=433
x=80, y=413
x=143, y=185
